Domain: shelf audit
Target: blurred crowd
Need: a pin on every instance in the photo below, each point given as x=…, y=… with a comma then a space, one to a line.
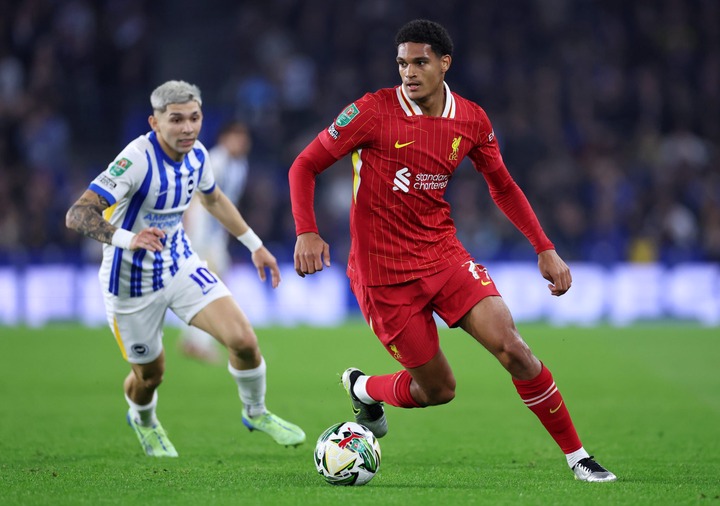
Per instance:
x=607, y=111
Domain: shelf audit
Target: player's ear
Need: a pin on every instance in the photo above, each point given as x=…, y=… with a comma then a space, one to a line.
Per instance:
x=152, y=121
x=445, y=62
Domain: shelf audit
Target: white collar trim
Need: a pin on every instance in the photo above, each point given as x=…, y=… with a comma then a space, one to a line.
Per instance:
x=412, y=109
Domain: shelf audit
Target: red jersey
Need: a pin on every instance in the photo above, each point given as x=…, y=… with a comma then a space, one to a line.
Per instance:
x=400, y=223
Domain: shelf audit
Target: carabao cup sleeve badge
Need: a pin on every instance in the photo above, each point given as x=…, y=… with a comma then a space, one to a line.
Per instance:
x=120, y=166
x=347, y=115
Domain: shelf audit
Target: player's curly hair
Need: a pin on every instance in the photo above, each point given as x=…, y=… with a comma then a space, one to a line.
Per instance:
x=426, y=32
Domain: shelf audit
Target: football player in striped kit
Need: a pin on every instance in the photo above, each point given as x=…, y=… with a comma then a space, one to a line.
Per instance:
x=135, y=209
x=406, y=261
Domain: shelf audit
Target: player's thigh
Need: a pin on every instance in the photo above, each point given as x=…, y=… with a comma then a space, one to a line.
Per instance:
x=489, y=321
x=224, y=320
x=492, y=325
x=137, y=324
x=193, y=289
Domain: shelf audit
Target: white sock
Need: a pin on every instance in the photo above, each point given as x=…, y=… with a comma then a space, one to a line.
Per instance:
x=576, y=456
x=144, y=415
x=360, y=390
x=251, y=387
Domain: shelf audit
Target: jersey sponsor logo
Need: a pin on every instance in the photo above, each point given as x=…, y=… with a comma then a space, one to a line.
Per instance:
x=347, y=115
x=455, y=146
x=402, y=180
x=106, y=181
x=332, y=131
x=422, y=181
x=431, y=181
x=163, y=221
x=120, y=166
x=398, y=145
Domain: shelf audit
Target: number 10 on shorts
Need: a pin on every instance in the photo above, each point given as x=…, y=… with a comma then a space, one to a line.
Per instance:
x=206, y=279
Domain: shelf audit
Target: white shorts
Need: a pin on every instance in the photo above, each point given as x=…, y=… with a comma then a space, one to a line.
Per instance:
x=137, y=322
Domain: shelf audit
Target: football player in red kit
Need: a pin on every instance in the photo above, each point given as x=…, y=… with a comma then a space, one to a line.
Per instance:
x=406, y=261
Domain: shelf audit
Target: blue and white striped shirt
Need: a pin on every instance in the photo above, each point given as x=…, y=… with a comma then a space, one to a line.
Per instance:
x=146, y=188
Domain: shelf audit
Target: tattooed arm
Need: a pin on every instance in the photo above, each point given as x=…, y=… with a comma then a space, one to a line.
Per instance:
x=85, y=216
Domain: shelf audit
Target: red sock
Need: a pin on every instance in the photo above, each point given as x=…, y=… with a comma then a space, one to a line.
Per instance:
x=393, y=389
x=543, y=398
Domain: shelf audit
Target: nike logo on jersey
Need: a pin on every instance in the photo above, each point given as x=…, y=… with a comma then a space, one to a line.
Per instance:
x=399, y=146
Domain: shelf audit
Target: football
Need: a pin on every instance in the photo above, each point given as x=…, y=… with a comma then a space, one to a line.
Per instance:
x=347, y=453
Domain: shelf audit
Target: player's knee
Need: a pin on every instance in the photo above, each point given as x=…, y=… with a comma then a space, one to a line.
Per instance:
x=441, y=395
x=244, y=347
x=151, y=380
x=517, y=358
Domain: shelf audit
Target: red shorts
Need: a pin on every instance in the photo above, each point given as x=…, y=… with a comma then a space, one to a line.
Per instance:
x=401, y=316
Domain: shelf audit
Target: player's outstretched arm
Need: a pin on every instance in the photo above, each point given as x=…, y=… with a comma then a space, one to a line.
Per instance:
x=555, y=270
x=311, y=253
x=86, y=217
x=217, y=204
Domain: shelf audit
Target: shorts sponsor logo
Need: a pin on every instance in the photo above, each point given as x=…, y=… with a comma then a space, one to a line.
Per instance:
x=120, y=166
x=140, y=349
x=347, y=115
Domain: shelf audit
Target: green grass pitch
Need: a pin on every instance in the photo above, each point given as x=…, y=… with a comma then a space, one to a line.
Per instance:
x=645, y=400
